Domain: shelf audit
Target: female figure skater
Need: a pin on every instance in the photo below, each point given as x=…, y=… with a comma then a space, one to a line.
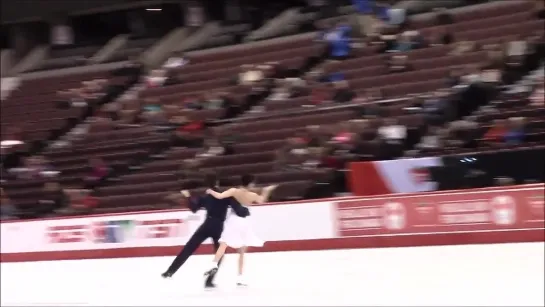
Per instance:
x=237, y=232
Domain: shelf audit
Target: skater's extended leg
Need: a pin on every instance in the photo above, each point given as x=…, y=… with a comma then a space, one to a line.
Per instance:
x=189, y=249
x=210, y=279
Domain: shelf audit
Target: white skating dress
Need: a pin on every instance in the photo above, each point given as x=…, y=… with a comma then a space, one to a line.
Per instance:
x=238, y=232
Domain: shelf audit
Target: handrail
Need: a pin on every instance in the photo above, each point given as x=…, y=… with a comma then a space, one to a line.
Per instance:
x=306, y=111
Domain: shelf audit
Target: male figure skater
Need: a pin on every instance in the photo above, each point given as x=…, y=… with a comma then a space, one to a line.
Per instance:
x=212, y=227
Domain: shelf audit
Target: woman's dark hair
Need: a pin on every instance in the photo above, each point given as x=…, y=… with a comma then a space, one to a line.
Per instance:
x=247, y=179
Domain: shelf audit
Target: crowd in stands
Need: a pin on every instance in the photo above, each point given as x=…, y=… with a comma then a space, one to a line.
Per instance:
x=465, y=113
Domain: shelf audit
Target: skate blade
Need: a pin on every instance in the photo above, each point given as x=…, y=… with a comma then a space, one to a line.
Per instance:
x=210, y=272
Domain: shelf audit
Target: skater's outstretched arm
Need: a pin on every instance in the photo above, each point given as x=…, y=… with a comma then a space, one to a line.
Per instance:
x=222, y=195
x=265, y=193
x=195, y=203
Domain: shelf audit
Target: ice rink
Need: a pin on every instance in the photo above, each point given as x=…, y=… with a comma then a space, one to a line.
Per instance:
x=480, y=275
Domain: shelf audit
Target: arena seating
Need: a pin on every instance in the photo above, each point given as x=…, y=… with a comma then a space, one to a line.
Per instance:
x=259, y=136
x=33, y=110
x=132, y=48
x=69, y=57
x=34, y=106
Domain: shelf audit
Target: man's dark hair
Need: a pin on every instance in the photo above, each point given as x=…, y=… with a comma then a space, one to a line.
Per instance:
x=210, y=180
x=247, y=179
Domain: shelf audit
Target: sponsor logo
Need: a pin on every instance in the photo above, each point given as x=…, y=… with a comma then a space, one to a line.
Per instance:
x=160, y=229
x=67, y=234
x=464, y=212
x=117, y=231
x=503, y=209
x=111, y=231
x=420, y=175
x=394, y=215
x=426, y=213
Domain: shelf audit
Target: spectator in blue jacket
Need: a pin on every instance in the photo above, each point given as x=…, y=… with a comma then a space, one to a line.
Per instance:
x=339, y=42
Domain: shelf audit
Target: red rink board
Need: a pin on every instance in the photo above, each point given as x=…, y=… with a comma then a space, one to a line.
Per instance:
x=428, y=219
x=478, y=237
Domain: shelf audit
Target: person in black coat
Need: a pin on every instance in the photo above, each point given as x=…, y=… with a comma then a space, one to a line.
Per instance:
x=212, y=227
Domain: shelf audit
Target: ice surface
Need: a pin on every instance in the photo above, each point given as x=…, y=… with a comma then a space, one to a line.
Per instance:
x=480, y=275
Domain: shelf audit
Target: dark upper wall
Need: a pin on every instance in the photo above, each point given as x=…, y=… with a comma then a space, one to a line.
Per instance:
x=12, y=11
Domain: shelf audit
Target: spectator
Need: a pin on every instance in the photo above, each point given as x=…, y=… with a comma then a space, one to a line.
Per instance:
x=405, y=42
x=44, y=167
x=387, y=41
x=331, y=158
x=281, y=91
x=472, y=75
x=189, y=126
x=517, y=47
x=339, y=42
x=344, y=136
x=319, y=94
x=496, y=133
x=249, y=75
x=176, y=61
x=156, y=78
x=417, y=40
x=130, y=112
x=343, y=93
x=30, y=170
x=394, y=16
x=298, y=86
x=433, y=139
x=495, y=55
x=153, y=113
x=462, y=133
x=80, y=201
x=392, y=136
x=7, y=210
x=491, y=76
x=366, y=20
x=98, y=171
x=434, y=107
x=515, y=131
x=89, y=202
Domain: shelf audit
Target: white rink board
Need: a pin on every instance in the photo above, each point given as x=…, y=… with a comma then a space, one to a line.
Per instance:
x=482, y=275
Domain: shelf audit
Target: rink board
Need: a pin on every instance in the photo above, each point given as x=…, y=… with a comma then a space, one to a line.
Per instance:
x=492, y=215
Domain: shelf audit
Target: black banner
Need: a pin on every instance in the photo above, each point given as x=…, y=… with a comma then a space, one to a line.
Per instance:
x=484, y=169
